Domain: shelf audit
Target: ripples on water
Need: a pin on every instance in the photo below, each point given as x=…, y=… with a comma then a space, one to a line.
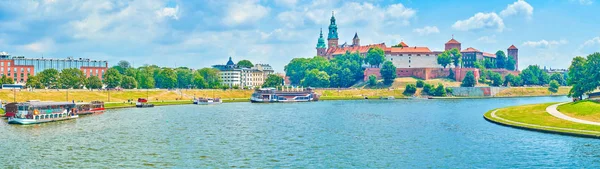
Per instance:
x=329, y=134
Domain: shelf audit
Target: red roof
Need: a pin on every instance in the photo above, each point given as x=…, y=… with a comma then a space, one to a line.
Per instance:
x=470, y=49
x=490, y=55
x=512, y=47
x=452, y=41
x=402, y=44
x=360, y=49
x=408, y=50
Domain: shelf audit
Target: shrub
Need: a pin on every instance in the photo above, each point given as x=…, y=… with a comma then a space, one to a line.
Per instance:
x=410, y=90
x=427, y=89
x=420, y=83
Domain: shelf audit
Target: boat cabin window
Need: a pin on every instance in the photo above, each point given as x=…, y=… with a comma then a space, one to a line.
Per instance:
x=37, y=117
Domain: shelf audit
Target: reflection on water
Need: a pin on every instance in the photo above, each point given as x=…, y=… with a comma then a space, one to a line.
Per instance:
x=329, y=134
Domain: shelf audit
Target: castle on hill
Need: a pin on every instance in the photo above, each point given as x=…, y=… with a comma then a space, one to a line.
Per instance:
x=403, y=55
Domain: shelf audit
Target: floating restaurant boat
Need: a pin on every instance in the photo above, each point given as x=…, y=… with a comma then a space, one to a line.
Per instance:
x=90, y=108
x=141, y=102
x=40, y=112
x=207, y=101
x=268, y=95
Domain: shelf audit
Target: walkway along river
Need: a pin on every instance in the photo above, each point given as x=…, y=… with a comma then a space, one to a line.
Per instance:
x=448, y=133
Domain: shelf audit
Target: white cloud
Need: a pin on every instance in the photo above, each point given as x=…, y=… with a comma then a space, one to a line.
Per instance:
x=168, y=12
x=426, y=30
x=518, y=8
x=487, y=39
x=398, y=11
x=480, y=21
x=593, y=41
x=246, y=12
x=44, y=45
x=544, y=43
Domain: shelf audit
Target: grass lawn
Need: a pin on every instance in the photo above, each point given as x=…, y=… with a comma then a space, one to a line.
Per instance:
x=536, y=114
x=531, y=91
x=586, y=110
x=160, y=103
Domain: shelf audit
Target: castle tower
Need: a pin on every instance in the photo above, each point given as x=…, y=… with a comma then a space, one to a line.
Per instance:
x=356, y=40
x=452, y=43
x=321, y=48
x=332, y=37
x=513, y=52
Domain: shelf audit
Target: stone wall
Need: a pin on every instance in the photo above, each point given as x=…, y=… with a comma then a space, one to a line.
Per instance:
x=424, y=73
x=477, y=91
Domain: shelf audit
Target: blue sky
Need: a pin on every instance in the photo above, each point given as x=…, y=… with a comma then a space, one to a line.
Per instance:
x=202, y=33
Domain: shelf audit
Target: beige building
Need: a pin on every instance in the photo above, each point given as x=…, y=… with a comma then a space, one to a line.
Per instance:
x=233, y=75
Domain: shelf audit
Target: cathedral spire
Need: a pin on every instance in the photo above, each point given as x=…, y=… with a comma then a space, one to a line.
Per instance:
x=321, y=41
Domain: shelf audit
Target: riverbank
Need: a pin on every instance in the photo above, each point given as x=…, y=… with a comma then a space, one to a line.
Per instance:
x=585, y=110
x=163, y=95
x=534, y=117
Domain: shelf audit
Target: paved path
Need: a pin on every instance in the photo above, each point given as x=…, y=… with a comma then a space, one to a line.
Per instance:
x=540, y=126
x=554, y=112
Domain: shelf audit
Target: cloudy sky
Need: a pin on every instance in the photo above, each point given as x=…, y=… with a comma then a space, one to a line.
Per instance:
x=200, y=33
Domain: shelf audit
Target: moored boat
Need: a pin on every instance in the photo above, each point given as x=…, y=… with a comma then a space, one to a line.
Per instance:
x=207, y=101
x=141, y=102
x=268, y=95
x=40, y=112
x=83, y=108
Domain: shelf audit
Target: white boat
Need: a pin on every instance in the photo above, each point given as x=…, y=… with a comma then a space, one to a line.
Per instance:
x=40, y=112
x=207, y=101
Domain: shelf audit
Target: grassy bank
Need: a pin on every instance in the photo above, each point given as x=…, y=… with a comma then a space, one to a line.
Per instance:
x=586, y=110
x=535, y=117
x=531, y=91
x=114, y=105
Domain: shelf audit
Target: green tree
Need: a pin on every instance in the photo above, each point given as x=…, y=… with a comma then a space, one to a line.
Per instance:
x=124, y=64
x=245, y=64
x=592, y=69
x=410, y=90
x=93, y=82
x=199, y=81
x=489, y=64
x=7, y=80
x=375, y=56
x=211, y=76
x=130, y=72
x=168, y=78
x=296, y=69
x=71, y=78
x=508, y=80
x=510, y=64
x=559, y=78
x=469, y=80
x=456, y=57
x=440, y=91
x=420, y=83
x=273, y=80
x=388, y=72
x=34, y=82
x=577, y=77
x=372, y=80
x=316, y=78
x=449, y=91
x=444, y=59
x=428, y=89
x=500, y=59
x=112, y=78
x=145, y=77
x=553, y=88
x=128, y=82
x=184, y=77
x=496, y=79
x=49, y=78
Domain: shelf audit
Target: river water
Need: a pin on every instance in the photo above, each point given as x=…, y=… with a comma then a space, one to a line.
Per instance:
x=327, y=134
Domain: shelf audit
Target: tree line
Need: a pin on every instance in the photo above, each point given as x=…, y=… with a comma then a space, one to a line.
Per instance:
x=124, y=76
x=455, y=57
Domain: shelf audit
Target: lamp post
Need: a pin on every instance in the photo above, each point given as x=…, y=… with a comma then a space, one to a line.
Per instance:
x=14, y=95
x=108, y=95
x=67, y=94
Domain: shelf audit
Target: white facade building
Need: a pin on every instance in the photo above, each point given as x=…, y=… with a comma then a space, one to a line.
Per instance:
x=412, y=57
x=232, y=75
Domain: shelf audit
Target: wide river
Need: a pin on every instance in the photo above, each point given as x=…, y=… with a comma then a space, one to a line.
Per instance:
x=327, y=134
